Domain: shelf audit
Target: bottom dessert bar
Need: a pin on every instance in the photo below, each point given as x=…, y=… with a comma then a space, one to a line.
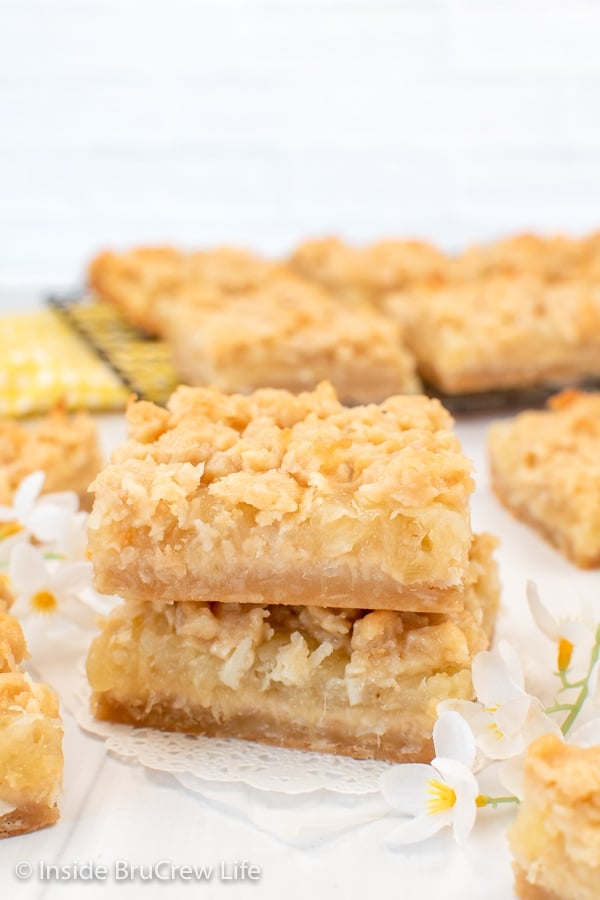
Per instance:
x=31, y=757
x=555, y=838
x=355, y=682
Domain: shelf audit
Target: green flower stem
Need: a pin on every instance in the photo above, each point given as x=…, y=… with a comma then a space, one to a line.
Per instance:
x=569, y=685
x=558, y=707
x=583, y=692
x=484, y=800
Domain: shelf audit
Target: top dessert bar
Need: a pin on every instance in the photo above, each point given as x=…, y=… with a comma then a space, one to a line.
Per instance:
x=282, y=498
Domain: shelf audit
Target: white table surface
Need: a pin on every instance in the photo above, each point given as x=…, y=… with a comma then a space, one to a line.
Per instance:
x=114, y=811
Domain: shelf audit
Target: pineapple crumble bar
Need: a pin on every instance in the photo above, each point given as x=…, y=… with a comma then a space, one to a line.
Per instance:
x=288, y=334
x=368, y=274
x=276, y=496
x=31, y=758
x=502, y=332
x=555, y=838
x=138, y=281
x=65, y=447
x=552, y=257
x=355, y=682
x=545, y=468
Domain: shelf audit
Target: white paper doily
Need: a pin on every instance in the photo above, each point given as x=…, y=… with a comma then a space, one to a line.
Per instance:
x=193, y=758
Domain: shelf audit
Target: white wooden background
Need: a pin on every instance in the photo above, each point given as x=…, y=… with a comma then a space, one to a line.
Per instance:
x=263, y=121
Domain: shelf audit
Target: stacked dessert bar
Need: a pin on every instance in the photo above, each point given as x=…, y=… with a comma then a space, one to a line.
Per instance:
x=294, y=571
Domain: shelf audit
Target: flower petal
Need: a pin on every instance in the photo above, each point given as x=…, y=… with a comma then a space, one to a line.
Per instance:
x=512, y=662
x=27, y=493
x=491, y=679
x=575, y=632
x=512, y=714
x=48, y=522
x=465, y=813
x=586, y=735
x=27, y=569
x=539, y=723
x=512, y=775
x=453, y=739
x=403, y=787
x=420, y=828
x=497, y=745
x=7, y=514
x=472, y=712
x=542, y=618
x=78, y=612
x=71, y=578
x=67, y=500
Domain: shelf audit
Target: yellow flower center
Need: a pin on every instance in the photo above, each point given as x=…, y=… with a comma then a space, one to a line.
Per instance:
x=44, y=602
x=565, y=652
x=481, y=800
x=7, y=529
x=493, y=726
x=440, y=797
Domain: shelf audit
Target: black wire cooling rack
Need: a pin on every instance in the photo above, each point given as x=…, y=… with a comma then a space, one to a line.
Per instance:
x=143, y=364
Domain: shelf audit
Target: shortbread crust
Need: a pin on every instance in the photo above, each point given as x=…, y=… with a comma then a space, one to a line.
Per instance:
x=555, y=838
x=545, y=468
x=287, y=334
x=257, y=498
x=65, y=447
x=31, y=759
x=356, y=682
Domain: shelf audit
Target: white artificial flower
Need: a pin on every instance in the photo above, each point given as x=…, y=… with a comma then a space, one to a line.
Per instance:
x=49, y=586
x=71, y=539
x=511, y=772
x=440, y=794
x=567, y=634
x=43, y=518
x=504, y=718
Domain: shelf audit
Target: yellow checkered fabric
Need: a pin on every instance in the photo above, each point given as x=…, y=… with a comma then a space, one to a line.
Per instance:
x=43, y=362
